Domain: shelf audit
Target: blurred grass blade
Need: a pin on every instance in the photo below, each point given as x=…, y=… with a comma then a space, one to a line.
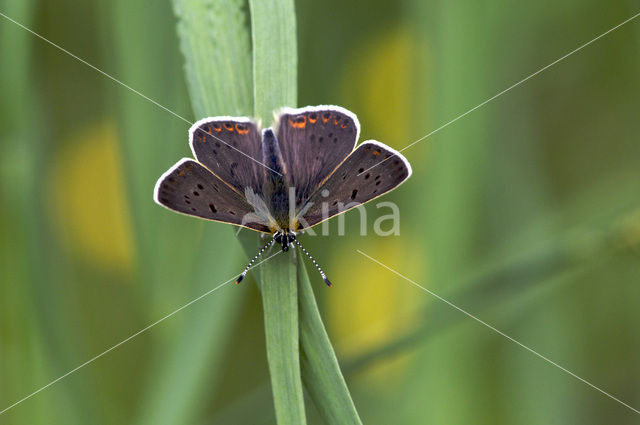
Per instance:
x=320, y=370
x=275, y=85
x=500, y=284
x=186, y=362
x=34, y=316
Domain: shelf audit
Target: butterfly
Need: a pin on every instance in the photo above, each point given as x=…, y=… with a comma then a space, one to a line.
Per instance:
x=281, y=180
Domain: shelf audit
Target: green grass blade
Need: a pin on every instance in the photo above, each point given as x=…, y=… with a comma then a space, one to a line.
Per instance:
x=275, y=85
x=320, y=370
x=214, y=39
x=275, y=60
x=278, y=284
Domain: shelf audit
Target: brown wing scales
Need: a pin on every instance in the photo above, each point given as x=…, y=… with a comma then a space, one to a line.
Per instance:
x=373, y=169
x=314, y=141
x=189, y=188
x=231, y=148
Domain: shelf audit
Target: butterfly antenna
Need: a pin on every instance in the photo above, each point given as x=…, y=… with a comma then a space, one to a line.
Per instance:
x=313, y=260
x=253, y=260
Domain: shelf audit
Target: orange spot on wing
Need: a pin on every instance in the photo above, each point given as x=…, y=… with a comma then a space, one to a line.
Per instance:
x=325, y=117
x=228, y=126
x=298, y=122
x=343, y=125
x=376, y=152
x=242, y=129
x=313, y=118
x=181, y=173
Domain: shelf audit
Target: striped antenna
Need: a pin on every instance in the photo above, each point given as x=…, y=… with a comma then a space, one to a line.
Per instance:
x=253, y=260
x=324, y=276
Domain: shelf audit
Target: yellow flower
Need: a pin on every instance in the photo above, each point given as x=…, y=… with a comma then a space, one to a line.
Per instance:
x=88, y=198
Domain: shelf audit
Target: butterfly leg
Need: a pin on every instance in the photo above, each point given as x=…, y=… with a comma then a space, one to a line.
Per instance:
x=253, y=260
x=313, y=260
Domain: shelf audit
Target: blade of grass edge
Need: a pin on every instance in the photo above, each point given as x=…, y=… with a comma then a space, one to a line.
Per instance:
x=320, y=369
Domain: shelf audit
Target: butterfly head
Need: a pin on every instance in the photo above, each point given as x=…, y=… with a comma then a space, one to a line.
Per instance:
x=285, y=238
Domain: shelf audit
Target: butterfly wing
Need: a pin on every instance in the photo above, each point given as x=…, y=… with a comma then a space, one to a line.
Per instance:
x=314, y=141
x=355, y=182
x=189, y=188
x=231, y=148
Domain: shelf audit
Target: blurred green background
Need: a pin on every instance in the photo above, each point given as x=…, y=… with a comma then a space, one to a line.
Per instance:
x=525, y=213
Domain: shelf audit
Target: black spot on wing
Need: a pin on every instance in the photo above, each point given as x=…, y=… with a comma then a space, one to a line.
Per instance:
x=349, y=187
x=192, y=189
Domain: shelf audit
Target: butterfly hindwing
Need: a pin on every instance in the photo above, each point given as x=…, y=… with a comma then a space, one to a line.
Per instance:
x=190, y=188
x=314, y=141
x=231, y=148
x=370, y=171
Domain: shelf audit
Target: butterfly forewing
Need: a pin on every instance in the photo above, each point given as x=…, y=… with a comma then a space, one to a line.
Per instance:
x=232, y=184
x=370, y=171
x=231, y=148
x=314, y=141
x=192, y=189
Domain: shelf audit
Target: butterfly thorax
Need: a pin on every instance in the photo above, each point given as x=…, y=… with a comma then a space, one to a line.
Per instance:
x=276, y=185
